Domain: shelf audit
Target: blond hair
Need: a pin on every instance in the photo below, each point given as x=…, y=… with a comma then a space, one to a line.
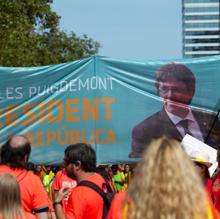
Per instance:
x=10, y=199
x=166, y=185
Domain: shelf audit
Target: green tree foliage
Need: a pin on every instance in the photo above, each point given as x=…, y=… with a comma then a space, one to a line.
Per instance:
x=30, y=36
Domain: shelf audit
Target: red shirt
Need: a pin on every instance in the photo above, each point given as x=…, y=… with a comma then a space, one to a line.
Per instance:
x=84, y=202
x=115, y=211
x=216, y=192
x=208, y=188
x=62, y=180
x=33, y=195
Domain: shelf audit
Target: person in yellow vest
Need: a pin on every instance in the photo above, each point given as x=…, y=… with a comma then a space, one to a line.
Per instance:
x=127, y=176
x=48, y=180
x=117, y=178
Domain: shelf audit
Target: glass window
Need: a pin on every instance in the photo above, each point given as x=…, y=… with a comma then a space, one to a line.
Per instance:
x=200, y=1
x=198, y=55
x=202, y=40
x=203, y=9
x=199, y=25
x=202, y=48
x=196, y=33
x=202, y=17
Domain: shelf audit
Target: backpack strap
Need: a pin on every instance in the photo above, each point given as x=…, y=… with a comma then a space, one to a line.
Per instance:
x=93, y=186
x=109, y=188
x=99, y=191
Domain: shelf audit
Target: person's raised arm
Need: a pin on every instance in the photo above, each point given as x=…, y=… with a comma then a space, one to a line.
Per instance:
x=58, y=197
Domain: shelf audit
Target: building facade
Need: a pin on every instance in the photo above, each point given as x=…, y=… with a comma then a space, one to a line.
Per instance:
x=201, y=27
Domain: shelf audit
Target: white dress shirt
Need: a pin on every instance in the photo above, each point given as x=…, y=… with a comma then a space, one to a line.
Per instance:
x=192, y=125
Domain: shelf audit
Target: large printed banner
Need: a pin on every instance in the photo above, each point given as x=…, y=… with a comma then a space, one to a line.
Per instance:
x=117, y=106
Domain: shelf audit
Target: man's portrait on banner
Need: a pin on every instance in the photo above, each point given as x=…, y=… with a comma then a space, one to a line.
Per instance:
x=175, y=84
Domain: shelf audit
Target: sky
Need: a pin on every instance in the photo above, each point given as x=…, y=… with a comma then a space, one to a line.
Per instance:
x=126, y=29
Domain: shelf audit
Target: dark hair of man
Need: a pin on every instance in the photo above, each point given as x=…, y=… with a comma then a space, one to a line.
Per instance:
x=177, y=71
x=102, y=171
x=83, y=153
x=14, y=156
x=114, y=167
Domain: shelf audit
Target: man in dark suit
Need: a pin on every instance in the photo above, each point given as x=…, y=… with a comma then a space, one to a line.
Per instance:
x=175, y=85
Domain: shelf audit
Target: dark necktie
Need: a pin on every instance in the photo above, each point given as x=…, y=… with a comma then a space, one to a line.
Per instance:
x=185, y=125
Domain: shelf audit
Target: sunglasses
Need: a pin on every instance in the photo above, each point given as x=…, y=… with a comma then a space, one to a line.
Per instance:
x=69, y=161
x=199, y=164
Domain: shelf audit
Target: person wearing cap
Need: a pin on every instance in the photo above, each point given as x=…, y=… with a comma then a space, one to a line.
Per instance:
x=167, y=187
x=216, y=183
x=202, y=164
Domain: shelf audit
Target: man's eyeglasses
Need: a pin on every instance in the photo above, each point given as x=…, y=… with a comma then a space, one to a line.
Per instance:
x=199, y=164
x=166, y=89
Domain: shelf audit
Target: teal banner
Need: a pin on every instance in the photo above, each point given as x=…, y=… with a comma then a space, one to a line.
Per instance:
x=117, y=106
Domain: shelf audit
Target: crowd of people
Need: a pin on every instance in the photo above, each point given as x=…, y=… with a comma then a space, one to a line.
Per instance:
x=118, y=176
x=54, y=191
x=166, y=183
